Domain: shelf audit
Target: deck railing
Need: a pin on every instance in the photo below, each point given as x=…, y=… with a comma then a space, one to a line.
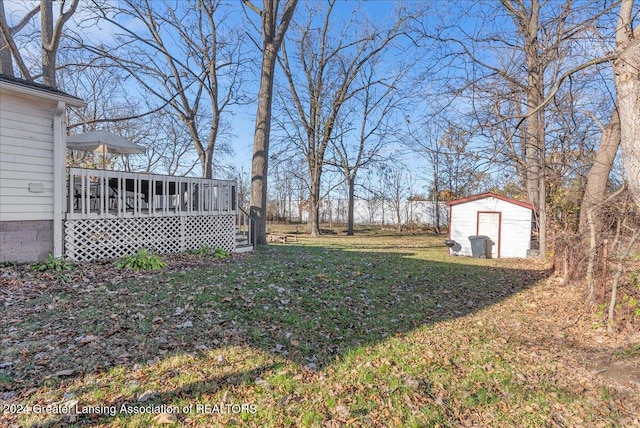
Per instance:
x=111, y=194
x=245, y=227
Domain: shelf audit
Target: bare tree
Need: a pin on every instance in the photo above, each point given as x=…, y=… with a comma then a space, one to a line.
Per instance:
x=598, y=176
x=187, y=57
x=112, y=106
x=627, y=81
x=50, y=35
x=456, y=170
x=539, y=55
x=366, y=127
x=427, y=146
x=102, y=86
x=324, y=79
x=168, y=143
x=397, y=183
x=272, y=35
x=524, y=67
x=8, y=44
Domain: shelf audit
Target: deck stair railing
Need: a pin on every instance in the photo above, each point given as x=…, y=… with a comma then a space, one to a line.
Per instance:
x=244, y=231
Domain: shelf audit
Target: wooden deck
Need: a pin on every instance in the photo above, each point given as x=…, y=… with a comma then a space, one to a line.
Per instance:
x=107, y=194
x=111, y=214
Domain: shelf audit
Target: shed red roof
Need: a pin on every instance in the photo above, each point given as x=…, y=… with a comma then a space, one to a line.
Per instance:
x=491, y=195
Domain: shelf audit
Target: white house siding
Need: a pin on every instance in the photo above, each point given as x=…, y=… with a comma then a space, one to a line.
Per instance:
x=31, y=169
x=26, y=158
x=515, y=228
x=26, y=177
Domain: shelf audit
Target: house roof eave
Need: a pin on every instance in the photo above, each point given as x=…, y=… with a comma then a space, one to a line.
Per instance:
x=32, y=89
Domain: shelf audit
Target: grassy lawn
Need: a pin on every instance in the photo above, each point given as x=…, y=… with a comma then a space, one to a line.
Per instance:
x=357, y=331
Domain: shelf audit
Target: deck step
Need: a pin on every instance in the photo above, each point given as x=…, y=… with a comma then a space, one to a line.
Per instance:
x=245, y=248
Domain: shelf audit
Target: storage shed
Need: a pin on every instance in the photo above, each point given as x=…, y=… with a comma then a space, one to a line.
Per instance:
x=508, y=224
x=32, y=168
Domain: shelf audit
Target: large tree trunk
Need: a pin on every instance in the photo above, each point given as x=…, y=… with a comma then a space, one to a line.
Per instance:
x=6, y=62
x=48, y=54
x=313, y=225
x=351, y=183
x=8, y=49
x=314, y=201
x=272, y=36
x=207, y=159
x=51, y=37
x=260, y=162
x=535, y=127
x=627, y=81
x=207, y=166
x=595, y=189
x=436, y=214
x=398, y=214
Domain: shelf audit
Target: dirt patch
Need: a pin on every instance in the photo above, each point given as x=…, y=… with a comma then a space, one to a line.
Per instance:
x=620, y=371
x=613, y=357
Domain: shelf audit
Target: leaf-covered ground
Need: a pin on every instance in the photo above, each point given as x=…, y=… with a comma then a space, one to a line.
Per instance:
x=356, y=331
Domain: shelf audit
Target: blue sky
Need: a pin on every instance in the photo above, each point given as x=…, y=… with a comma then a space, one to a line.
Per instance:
x=471, y=17
x=243, y=119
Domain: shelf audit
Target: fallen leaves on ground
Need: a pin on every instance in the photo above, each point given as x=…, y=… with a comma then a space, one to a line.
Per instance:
x=366, y=332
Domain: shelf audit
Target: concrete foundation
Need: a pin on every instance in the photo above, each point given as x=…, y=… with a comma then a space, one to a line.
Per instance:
x=25, y=241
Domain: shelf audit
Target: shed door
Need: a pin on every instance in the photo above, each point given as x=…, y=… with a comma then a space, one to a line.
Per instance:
x=489, y=225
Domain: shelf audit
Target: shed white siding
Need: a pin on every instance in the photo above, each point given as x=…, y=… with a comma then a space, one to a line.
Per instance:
x=26, y=158
x=515, y=225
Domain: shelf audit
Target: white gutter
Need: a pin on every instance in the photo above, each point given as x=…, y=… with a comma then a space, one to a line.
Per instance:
x=59, y=167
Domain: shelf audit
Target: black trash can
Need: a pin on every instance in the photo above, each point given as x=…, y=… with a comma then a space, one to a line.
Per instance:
x=479, y=246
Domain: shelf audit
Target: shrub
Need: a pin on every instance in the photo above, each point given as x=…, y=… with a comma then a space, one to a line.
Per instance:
x=142, y=260
x=220, y=254
x=207, y=251
x=204, y=251
x=52, y=263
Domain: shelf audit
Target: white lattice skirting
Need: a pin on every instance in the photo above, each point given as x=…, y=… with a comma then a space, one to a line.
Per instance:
x=111, y=238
